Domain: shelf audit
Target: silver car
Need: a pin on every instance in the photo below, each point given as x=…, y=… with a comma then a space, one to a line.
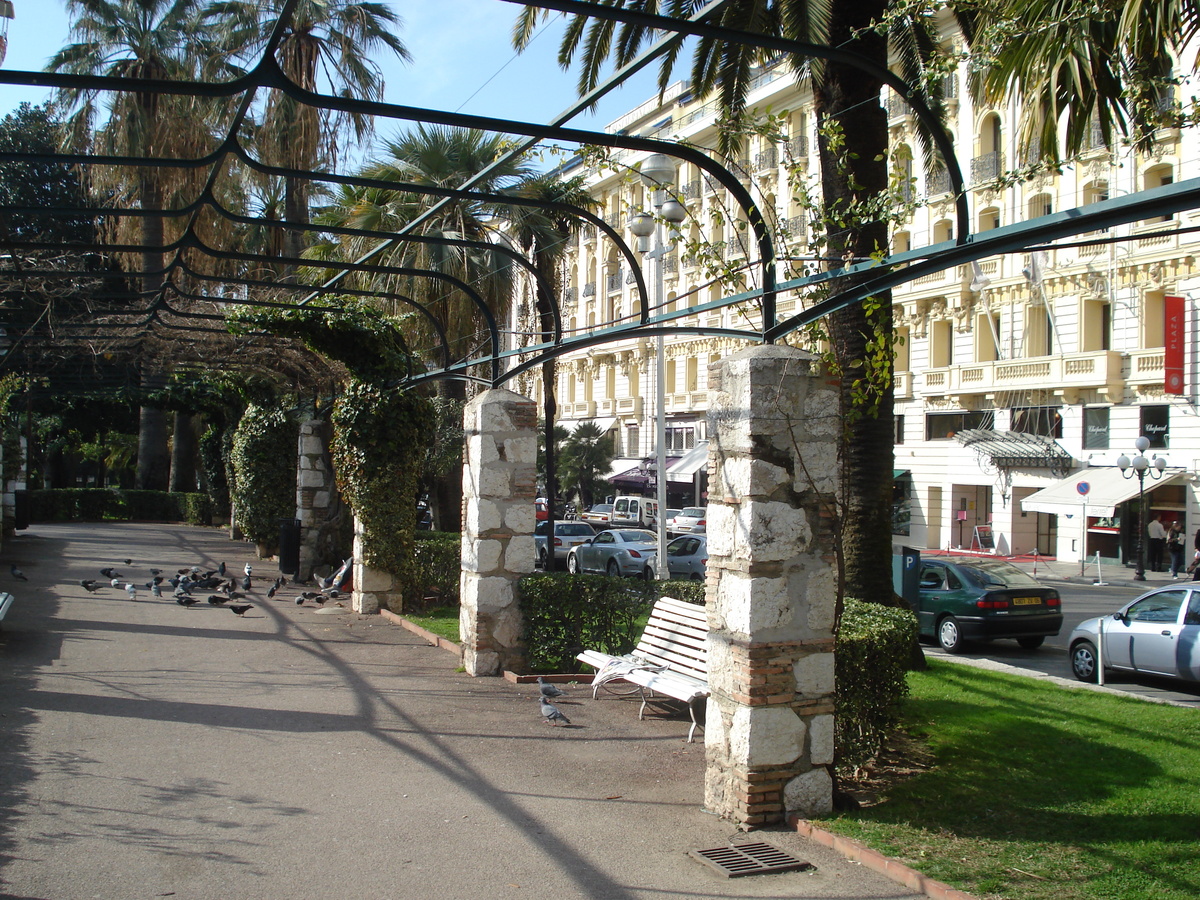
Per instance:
x=614, y=552
x=687, y=557
x=690, y=520
x=1156, y=634
x=566, y=536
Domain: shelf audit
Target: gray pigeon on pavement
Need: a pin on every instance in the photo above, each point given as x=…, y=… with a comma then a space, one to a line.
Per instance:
x=17, y=573
x=548, y=689
x=552, y=713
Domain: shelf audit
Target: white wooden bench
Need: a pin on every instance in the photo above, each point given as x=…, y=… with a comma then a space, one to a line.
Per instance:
x=671, y=658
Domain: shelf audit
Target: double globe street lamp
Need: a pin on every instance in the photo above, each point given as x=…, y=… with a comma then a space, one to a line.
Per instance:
x=1140, y=467
x=658, y=173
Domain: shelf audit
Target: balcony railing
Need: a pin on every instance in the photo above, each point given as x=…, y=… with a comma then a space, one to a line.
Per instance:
x=589, y=289
x=1099, y=370
x=613, y=282
x=987, y=167
x=798, y=146
x=938, y=181
x=766, y=160
x=690, y=190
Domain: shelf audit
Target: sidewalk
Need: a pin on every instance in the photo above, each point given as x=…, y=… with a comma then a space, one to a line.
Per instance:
x=150, y=749
x=1048, y=568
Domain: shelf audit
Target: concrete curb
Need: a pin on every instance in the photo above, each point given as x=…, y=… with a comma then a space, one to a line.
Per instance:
x=877, y=862
x=422, y=633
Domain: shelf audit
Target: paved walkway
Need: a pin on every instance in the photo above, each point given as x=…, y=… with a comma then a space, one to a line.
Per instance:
x=1047, y=568
x=150, y=750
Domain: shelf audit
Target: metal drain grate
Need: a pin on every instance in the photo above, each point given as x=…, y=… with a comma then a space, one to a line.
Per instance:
x=737, y=860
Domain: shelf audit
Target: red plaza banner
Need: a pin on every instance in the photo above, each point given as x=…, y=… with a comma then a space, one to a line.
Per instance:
x=1174, y=327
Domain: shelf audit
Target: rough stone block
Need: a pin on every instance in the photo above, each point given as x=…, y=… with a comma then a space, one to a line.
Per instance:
x=814, y=675
x=521, y=449
x=820, y=740
x=519, y=554
x=494, y=481
x=810, y=794
x=770, y=531
x=742, y=477
x=487, y=594
x=751, y=606
x=765, y=736
x=483, y=517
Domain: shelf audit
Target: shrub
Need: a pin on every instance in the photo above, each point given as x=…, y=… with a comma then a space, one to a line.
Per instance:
x=98, y=504
x=565, y=614
x=437, y=567
x=871, y=662
x=687, y=591
x=264, y=463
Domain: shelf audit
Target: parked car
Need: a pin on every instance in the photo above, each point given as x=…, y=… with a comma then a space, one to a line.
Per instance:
x=687, y=557
x=566, y=536
x=963, y=600
x=600, y=512
x=633, y=511
x=1156, y=634
x=690, y=520
x=564, y=510
x=617, y=551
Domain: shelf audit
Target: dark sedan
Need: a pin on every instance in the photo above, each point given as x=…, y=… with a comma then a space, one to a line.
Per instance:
x=963, y=600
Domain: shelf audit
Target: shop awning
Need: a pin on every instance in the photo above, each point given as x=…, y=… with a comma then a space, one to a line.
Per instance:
x=604, y=423
x=686, y=467
x=1016, y=449
x=1107, y=489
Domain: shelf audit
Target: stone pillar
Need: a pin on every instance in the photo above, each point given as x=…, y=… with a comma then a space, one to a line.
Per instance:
x=374, y=589
x=499, y=487
x=318, y=505
x=772, y=580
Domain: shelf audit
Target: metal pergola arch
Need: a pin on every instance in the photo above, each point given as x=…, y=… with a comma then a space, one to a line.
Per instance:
x=266, y=74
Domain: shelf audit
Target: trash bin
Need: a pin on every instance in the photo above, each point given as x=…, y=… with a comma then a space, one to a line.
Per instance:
x=20, y=510
x=289, y=546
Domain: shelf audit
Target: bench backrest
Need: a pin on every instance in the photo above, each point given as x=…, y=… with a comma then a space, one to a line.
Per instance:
x=676, y=636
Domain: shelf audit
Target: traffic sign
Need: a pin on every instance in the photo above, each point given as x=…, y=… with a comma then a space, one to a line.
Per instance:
x=1083, y=487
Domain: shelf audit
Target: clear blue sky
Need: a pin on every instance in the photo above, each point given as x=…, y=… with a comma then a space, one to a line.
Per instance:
x=462, y=60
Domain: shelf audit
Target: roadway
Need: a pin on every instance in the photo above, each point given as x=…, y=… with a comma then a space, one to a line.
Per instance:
x=1081, y=599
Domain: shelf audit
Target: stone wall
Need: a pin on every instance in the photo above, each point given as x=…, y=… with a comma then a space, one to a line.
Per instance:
x=318, y=504
x=773, y=431
x=499, y=487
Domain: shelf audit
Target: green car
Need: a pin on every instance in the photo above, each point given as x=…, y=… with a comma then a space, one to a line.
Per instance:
x=968, y=599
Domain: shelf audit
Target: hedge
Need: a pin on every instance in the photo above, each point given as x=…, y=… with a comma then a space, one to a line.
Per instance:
x=871, y=661
x=98, y=504
x=436, y=569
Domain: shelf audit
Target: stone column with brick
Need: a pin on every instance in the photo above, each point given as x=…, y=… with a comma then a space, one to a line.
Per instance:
x=499, y=487
x=374, y=589
x=318, y=506
x=773, y=431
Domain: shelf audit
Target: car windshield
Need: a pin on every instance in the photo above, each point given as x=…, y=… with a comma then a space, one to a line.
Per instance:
x=987, y=572
x=573, y=529
x=637, y=537
x=601, y=508
x=693, y=512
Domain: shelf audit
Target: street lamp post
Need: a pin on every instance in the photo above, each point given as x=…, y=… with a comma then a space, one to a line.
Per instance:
x=658, y=172
x=1139, y=466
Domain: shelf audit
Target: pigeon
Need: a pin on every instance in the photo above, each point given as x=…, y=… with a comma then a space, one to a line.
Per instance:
x=552, y=713
x=320, y=599
x=217, y=599
x=184, y=600
x=129, y=562
x=240, y=609
x=131, y=591
x=90, y=586
x=548, y=689
x=271, y=591
x=246, y=583
x=221, y=569
x=109, y=573
x=116, y=582
x=249, y=570
x=233, y=595
x=300, y=601
x=155, y=590
x=156, y=572
x=17, y=573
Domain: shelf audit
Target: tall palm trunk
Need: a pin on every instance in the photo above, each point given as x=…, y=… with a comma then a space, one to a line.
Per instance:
x=851, y=98
x=154, y=461
x=183, y=453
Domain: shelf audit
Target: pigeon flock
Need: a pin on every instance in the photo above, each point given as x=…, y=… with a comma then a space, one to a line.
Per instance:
x=188, y=585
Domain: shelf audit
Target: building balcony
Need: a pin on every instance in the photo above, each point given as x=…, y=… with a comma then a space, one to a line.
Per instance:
x=629, y=406
x=585, y=409
x=1147, y=368
x=686, y=401
x=606, y=407
x=1099, y=370
x=902, y=385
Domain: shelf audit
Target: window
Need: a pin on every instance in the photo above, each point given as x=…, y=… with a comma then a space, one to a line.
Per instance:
x=669, y=372
x=902, y=504
x=901, y=242
x=1158, y=176
x=1097, y=326
x=901, y=360
x=633, y=440
x=1156, y=425
x=1153, y=320
x=693, y=374
x=1040, y=205
x=681, y=438
x=989, y=219
x=1039, y=331
x=1043, y=420
x=941, y=344
x=898, y=430
x=1095, y=427
x=1159, y=608
x=941, y=426
x=987, y=337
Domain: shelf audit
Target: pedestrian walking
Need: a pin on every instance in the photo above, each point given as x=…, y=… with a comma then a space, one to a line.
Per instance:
x=1176, y=541
x=1158, y=542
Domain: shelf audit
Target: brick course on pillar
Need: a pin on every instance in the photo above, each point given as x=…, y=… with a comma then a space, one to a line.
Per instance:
x=773, y=431
x=499, y=487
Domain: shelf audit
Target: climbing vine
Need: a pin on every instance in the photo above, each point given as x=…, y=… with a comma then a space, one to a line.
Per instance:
x=264, y=465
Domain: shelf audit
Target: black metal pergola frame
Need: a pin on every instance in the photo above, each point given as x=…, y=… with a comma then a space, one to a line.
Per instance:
x=163, y=310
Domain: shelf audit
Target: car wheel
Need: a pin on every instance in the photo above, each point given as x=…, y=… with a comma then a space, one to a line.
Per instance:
x=1083, y=661
x=542, y=559
x=573, y=564
x=1031, y=643
x=648, y=573
x=949, y=635
x=614, y=570
x=696, y=576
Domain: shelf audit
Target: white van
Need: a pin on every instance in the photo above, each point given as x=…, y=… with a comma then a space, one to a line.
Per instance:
x=636, y=512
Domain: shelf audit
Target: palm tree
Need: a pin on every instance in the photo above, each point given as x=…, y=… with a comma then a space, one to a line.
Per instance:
x=137, y=39
x=435, y=157
x=587, y=456
x=848, y=98
x=542, y=232
x=327, y=44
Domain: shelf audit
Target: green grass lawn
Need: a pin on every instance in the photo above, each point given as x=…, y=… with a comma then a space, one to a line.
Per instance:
x=441, y=620
x=1038, y=791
